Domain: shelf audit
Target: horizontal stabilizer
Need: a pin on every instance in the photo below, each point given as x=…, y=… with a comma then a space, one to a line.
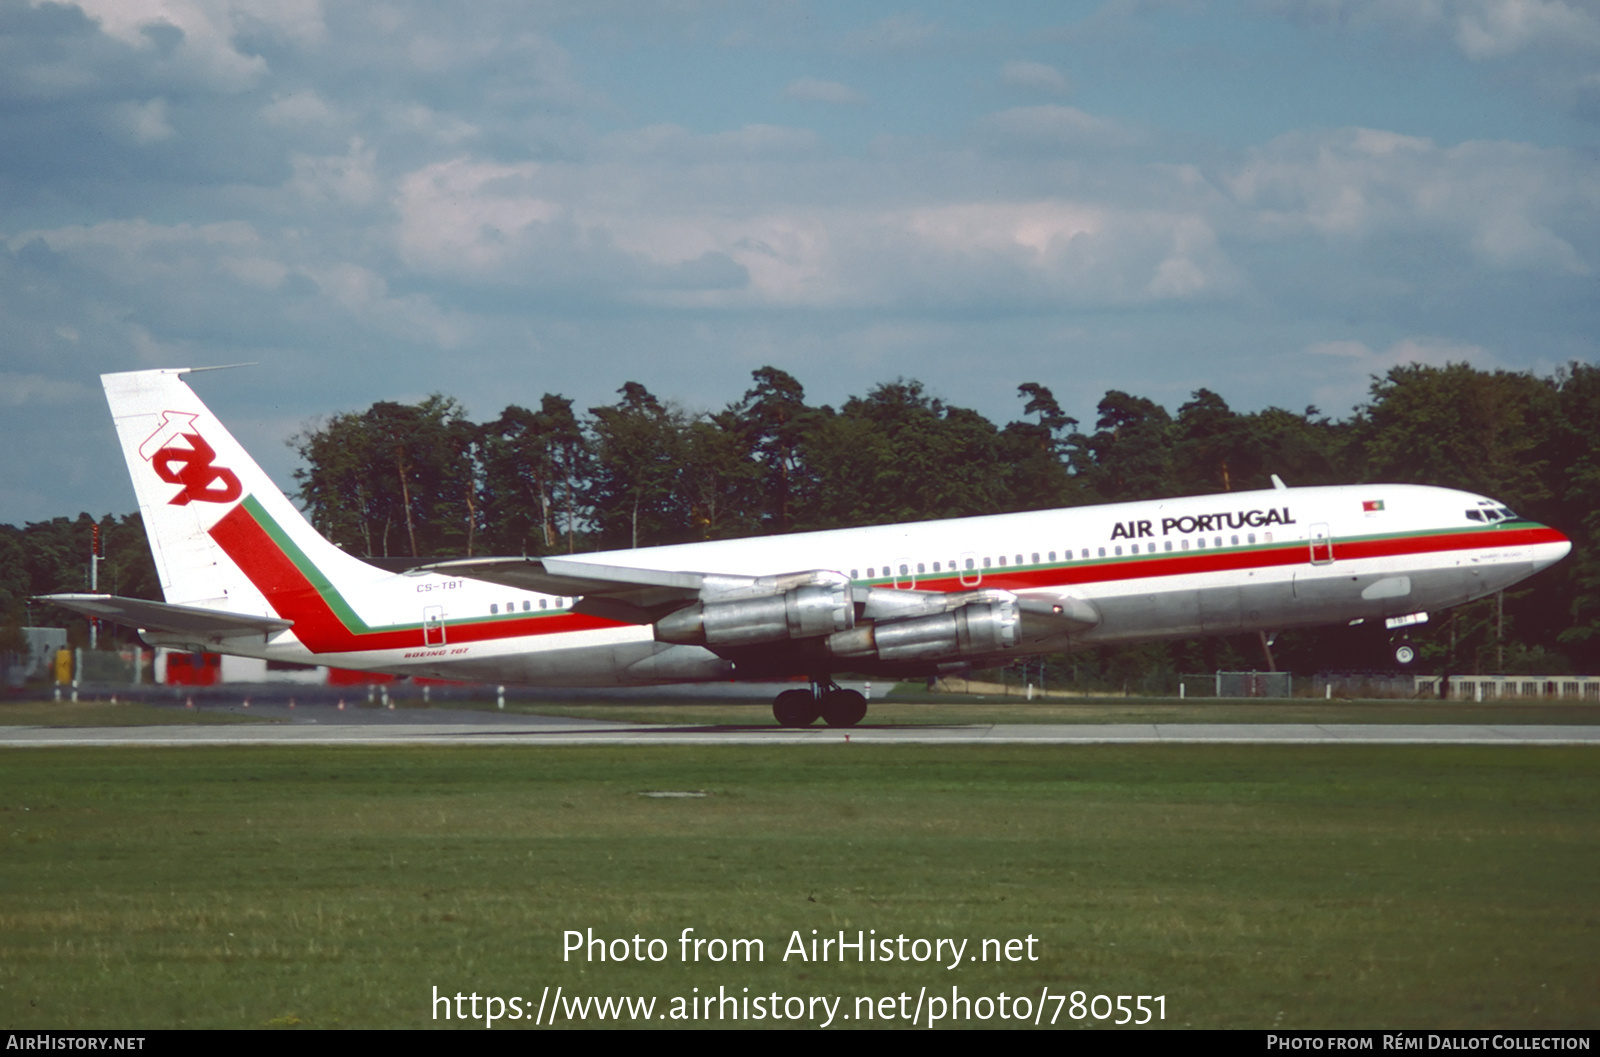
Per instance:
x=161, y=616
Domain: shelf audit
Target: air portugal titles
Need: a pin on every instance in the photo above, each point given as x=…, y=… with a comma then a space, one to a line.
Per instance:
x=1127, y=530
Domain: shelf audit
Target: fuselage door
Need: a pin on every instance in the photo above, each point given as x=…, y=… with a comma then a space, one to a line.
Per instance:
x=971, y=575
x=433, y=626
x=904, y=578
x=1321, y=545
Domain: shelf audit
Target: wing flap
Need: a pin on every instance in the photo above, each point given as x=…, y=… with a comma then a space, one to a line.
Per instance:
x=162, y=616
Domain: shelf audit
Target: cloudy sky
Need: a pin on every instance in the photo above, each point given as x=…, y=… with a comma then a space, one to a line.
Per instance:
x=496, y=199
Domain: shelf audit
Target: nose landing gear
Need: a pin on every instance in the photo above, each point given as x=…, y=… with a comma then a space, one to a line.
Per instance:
x=836, y=706
x=1400, y=641
x=1404, y=652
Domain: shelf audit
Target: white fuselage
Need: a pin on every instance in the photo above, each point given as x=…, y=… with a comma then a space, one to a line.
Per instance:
x=1198, y=565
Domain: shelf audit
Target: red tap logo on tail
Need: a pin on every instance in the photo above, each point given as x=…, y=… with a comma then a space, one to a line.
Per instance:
x=192, y=466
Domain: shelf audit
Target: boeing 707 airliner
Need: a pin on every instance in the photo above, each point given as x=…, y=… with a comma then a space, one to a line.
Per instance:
x=244, y=573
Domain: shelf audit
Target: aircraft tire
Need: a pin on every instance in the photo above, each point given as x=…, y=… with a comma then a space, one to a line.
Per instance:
x=843, y=708
x=1404, y=653
x=795, y=708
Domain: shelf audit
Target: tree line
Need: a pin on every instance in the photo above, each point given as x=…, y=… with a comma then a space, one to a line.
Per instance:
x=404, y=481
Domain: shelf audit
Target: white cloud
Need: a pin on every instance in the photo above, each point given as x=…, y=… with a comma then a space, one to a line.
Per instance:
x=1428, y=351
x=811, y=90
x=1052, y=251
x=470, y=217
x=146, y=122
x=1036, y=76
x=1491, y=28
x=896, y=33
x=1039, y=229
x=205, y=32
x=343, y=179
x=1354, y=364
x=131, y=239
x=1551, y=45
x=24, y=390
x=1054, y=126
x=445, y=128
x=1502, y=202
x=299, y=110
x=1482, y=29
x=258, y=271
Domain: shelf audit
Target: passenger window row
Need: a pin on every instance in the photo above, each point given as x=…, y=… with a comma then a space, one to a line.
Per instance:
x=527, y=606
x=971, y=564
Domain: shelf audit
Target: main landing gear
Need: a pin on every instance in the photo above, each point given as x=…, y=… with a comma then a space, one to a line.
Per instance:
x=837, y=706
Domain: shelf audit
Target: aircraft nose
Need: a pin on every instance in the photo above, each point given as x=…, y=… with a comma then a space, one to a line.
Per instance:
x=1553, y=547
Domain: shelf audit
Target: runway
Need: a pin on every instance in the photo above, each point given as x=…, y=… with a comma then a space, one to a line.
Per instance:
x=556, y=731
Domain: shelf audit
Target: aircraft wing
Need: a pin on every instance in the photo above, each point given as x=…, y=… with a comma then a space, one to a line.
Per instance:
x=634, y=596
x=643, y=596
x=160, y=616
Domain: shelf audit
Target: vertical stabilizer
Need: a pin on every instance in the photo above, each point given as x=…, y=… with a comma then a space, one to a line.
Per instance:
x=194, y=483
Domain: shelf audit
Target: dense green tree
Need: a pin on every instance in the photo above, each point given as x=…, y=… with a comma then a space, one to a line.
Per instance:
x=639, y=453
x=1032, y=456
x=396, y=479
x=720, y=480
x=1303, y=450
x=774, y=419
x=899, y=455
x=1130, y=454
x=534, y=466
x=1573, y=450
x=50, y=557
x=1457, y=427
x=1214, y=449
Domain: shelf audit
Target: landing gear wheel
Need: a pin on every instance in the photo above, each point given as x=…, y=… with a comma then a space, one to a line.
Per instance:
x=843, y=708
x=795, y=708
x=1404, y=652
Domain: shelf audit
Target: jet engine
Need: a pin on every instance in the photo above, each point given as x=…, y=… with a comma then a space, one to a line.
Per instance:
x=772, y=609
x=976, y=623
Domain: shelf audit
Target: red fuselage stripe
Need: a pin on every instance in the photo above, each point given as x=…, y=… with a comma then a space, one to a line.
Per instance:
x=320, y=630
x=1188, y=563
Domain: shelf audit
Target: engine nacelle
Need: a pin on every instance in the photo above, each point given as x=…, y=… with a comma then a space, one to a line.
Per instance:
x=987, y=623
x=806, y=605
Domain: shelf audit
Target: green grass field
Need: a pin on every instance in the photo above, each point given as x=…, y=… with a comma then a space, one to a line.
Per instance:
x=1253, y=886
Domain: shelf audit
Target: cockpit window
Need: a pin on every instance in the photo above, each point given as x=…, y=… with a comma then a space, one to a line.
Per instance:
x=1475, y=515
x=1491, y=514
x=1506, y=513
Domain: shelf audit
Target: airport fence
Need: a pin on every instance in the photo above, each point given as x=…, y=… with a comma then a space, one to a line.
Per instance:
x=1365, y=685
x=1584, y=688
x=1236, y=684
